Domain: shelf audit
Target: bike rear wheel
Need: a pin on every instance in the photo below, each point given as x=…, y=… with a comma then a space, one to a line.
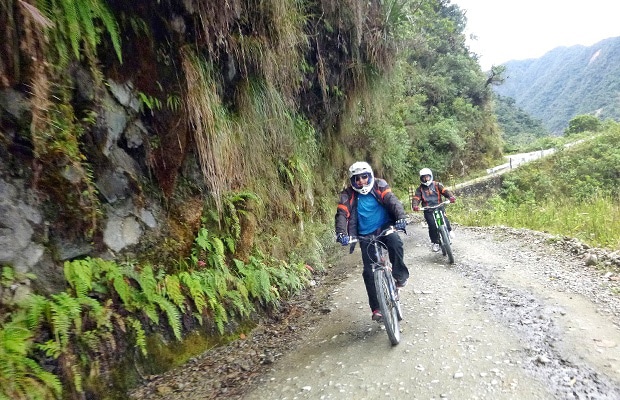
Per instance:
x=388, y=307
x=445, y=245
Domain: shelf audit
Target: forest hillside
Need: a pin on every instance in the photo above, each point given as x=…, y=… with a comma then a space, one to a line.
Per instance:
x=566, y=82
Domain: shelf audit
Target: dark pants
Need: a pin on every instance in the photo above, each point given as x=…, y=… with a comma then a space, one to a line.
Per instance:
x=432, y=228
x=399, y=269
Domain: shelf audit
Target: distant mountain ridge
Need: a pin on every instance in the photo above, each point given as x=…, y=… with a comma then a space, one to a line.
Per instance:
x=567, y=81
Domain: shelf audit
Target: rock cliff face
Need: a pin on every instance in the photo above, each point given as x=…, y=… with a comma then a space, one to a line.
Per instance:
x=36, y=232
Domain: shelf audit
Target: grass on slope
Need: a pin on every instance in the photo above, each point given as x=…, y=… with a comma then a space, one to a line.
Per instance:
x=575, y=193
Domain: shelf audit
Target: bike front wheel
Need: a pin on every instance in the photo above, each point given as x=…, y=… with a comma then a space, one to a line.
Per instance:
x=388, y=307
x=445, y=245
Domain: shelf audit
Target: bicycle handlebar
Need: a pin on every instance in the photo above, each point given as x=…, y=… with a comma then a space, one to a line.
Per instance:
x=385, y=232
x=437, y=206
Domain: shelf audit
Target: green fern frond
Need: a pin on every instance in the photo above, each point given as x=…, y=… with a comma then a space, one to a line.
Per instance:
x=288, y=278
x=92, y=340
x=7, y=277
x=72, y=24
x=243, y=291
x=219, y=256
x=88, y=32
x=111, y=25
x=75, y=23
x=51, y=348
x=198, y=317
x=258, y=281
x=78, y=274
x=20, y=376
x=116, y=275
x=65, y=312
x=37, y=308
x=195, y=289
x=173, y=314
x=231, y=243
x=140, y=335
x=77, y=377
x=215, y=282
x=240, y=305
x=220, y=317
x=147, y=282
x=100, y=314
x=172, y=290
x=151, y=312
x=202, y=239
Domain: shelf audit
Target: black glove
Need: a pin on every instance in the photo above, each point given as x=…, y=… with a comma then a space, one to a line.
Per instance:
x=400, y=224
x=342, y=239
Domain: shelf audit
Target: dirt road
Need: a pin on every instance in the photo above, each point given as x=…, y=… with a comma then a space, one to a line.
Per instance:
x=514, y=318
x=518, y=316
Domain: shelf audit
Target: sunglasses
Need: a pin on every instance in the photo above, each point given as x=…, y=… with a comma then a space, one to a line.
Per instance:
x=360, y=177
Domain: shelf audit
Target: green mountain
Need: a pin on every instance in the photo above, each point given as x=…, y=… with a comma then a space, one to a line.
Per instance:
x=565, y=82
x=518, y=127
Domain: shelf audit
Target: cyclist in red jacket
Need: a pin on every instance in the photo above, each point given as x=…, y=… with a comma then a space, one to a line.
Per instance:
x=429, y=193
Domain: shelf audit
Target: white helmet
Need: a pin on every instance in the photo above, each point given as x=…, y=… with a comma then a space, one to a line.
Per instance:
x=361, y=168
x=424, y=172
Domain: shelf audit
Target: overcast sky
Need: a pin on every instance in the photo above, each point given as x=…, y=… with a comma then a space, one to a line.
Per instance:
x=517, y=30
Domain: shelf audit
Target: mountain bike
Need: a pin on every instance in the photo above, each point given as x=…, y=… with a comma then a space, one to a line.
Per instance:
x=444, y=236
x=387, y=293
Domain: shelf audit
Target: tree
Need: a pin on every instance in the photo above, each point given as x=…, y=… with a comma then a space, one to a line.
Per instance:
x=583, y=123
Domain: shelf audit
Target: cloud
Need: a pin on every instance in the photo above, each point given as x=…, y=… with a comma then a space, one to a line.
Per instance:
x=515, y=30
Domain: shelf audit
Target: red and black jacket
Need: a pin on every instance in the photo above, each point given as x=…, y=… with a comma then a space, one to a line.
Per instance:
x=430, y=195
x=346, y=213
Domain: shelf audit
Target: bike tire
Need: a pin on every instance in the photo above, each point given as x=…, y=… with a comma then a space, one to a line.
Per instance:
x=387, y=306
x=443, y=248
x=446, y=246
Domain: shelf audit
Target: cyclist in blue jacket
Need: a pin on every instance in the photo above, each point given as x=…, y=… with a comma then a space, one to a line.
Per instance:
x=366, y=207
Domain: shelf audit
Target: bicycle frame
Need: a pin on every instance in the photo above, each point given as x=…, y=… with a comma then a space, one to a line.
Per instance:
x=442, y=229
x=437, y=213
x=387, y=294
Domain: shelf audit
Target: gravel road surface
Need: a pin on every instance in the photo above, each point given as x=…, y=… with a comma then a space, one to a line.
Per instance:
x=518, y=316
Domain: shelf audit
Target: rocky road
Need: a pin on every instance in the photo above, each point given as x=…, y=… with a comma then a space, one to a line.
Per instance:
x=520, y=315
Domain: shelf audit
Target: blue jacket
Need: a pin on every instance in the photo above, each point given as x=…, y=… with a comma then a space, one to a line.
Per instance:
x=346, y=213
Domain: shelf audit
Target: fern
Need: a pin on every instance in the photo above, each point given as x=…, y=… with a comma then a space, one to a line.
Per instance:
x=289, y=278
x=151, y=313
x=125, y=291
x=64, y=311
x=140, y=335
x=195, y=289
x=214, y=285
x=220, y=317
x=20, y=376
x=78, y=274
x=51, y=348
x=257, y=280
x=99, y=314
x=148, y=283
x=35, y=310
x=172, y=312
x=116, y=275
x=8, y=275
x=239, y=304
x=218, y=258
x=74, y=22
x=172, y=290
